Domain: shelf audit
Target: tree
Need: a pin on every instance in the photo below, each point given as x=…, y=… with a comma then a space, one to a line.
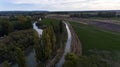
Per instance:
x=46, y=44
x=71, y=60
x=84, y=62
x=20, y=57
x=5, y=27
x=37, y=47
x=22, y=23
x=61, y=26
x=92, y=61
x=6, y=64
x=52, y=39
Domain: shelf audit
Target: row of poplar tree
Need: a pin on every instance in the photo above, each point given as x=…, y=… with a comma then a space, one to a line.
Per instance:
x=45, y=46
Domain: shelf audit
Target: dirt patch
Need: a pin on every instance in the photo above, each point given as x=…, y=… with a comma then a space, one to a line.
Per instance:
x=110, y=25
x=76, y=46
x=107, y=25
x=107, y=21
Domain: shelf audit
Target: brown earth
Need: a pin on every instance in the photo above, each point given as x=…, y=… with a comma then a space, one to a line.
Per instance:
x=110, y=25
x=76, y=46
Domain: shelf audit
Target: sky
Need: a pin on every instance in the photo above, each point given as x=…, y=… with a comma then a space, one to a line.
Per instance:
x=58, y=5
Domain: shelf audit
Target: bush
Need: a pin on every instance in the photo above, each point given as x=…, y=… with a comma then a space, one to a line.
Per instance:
x=71, y=60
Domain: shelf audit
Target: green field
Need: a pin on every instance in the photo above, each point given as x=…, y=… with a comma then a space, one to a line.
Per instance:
x=95, y=38
x=48, y=21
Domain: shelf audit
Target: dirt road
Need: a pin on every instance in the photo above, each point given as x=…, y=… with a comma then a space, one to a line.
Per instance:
x=76, y=46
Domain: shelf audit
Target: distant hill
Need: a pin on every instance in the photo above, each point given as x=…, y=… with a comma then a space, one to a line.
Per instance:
x=54, y=12
x=86, y=11
x=21, y=12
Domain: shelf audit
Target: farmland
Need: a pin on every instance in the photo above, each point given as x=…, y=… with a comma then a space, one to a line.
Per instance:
x=97, y=41
x=93, y=37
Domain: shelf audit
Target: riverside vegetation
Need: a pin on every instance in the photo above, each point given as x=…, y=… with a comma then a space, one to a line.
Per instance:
x=18, y=36
x=49, y=43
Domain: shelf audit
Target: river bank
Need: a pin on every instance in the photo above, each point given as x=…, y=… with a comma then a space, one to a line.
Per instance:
x=63, y=37
x=76, y=45
x=30, y=53
x=67, y=48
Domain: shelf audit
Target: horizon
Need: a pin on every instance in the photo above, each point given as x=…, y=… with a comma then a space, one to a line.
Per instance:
x=55, y=11
x=58, y=5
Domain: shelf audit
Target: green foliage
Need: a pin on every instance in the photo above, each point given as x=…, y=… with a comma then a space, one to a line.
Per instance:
x=8, y=25
x=106, y=14
x=22, y=23
x=20, y=57
x=61, y=26
x=52, y=39
x=5, y=27
x=47, y=42
x=36, y=39
x=45, y=45
x=59, y=29
x=71, y=60
x=6, y=64
x=22, y=39
x=37, y=47
x=54, y=23
x=96, y=14
x=84, y=62
x=91, y=61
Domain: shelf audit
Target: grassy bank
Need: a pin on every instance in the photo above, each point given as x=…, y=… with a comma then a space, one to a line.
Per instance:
x=48, y=21
x=95, y=38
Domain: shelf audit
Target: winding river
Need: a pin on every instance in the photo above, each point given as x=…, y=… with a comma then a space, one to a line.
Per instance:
x=31, y=61
x=37, y=29
x=67, y=48
x=30, y=58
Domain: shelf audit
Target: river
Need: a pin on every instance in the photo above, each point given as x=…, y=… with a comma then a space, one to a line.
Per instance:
x=67, y=48
x=30, y=58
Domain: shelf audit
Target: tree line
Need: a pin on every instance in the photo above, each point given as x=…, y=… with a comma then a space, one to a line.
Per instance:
x=50, y=41
x=17, y=37
x=72, y=60
x=15, y=43
x=14, y=23
x=95, y=14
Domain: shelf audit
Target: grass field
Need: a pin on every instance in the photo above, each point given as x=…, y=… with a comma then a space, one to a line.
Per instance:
x=93, y=37
x=48, y=21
